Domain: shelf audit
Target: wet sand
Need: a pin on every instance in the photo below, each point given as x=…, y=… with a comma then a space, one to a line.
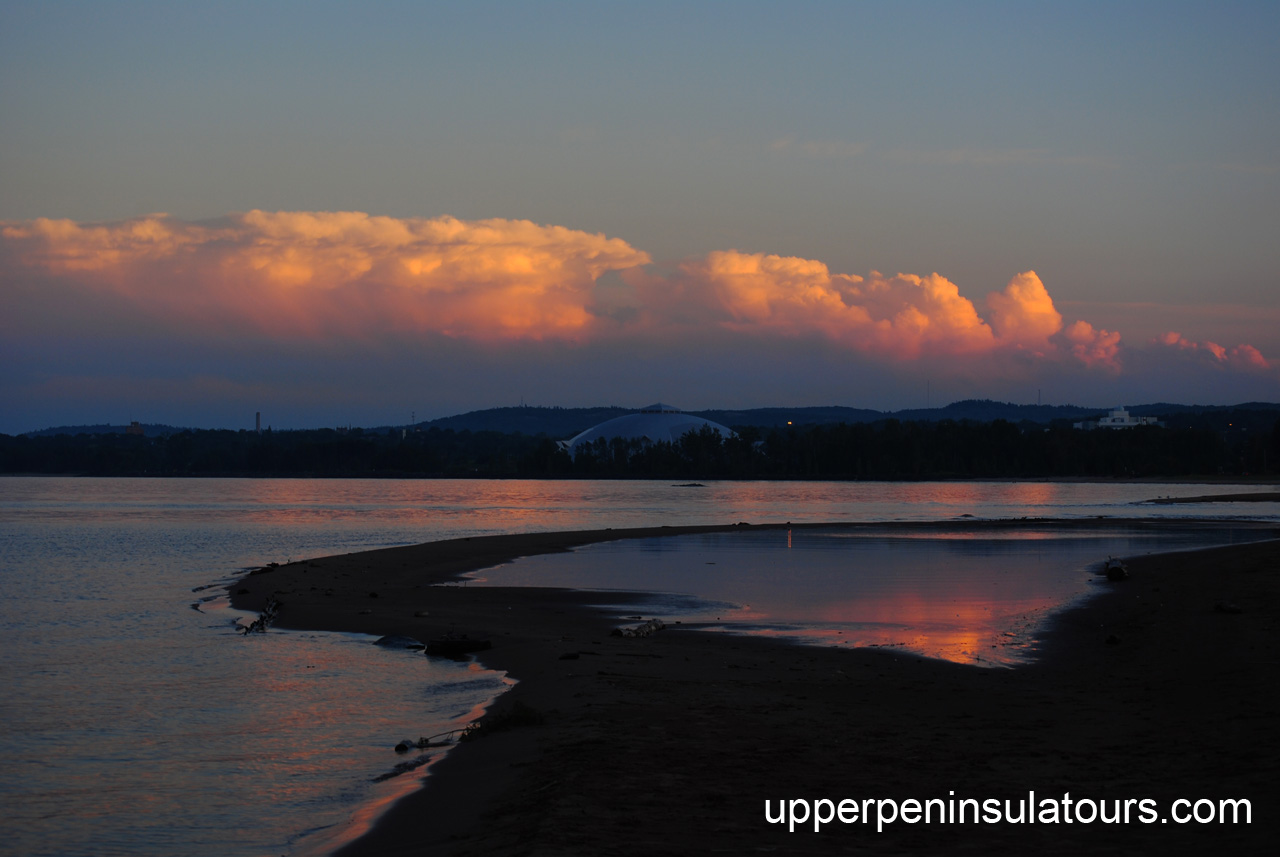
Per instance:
x=1166, y=686
x=1252, y=497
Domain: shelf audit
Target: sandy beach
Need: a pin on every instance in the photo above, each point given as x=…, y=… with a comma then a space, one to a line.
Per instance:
x=1164, y=687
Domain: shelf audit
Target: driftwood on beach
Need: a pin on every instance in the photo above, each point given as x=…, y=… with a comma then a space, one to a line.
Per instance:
x=264, y=619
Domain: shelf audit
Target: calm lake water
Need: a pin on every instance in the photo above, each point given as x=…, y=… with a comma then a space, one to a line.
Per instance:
x=975, y=595
x=136, y=721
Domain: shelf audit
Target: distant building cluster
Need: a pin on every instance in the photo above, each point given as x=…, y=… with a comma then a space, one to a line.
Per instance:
x=1118, y=419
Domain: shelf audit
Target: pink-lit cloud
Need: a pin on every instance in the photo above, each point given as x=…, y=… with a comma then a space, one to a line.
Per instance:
x=1094, y=348
x=1243, y=357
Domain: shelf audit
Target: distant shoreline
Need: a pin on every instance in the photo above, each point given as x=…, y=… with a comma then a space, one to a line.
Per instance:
x=1204, y=446
x=1261, y=497
x=1268, y=479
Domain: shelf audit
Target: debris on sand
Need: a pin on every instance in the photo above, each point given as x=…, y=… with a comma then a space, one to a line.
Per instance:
x=264, y=620
x=648, y=629
x=398, y=641
x=1114, y=569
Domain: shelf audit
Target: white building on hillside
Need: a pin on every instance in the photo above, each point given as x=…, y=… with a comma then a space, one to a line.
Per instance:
x=1118, y=419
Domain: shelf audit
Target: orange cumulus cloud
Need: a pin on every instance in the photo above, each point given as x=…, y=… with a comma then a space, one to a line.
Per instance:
x=64, y=246
x=904, y=315
x=317, y=273
x=1023, y=315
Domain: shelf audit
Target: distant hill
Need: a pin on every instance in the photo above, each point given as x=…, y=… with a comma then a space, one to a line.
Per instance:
x=1168, y=409
x=776, y=417
x=562, y=423
x=965, y=440
x=148, y=430
x=974, y=410
x=987, y=411
x=559, y=423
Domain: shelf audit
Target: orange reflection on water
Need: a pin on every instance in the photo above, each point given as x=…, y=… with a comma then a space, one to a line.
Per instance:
x=961, y=646
x=1037, y=494
x=388, y=792
x=368, y=813
x=441, y=505
x=963, y=630
x=969, y=596
x=338, y=702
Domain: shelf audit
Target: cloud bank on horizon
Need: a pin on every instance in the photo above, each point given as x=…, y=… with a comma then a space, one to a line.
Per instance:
x=352, y=281
x=352, y=275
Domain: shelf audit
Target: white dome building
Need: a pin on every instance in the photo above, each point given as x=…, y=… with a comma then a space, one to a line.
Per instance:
x=654, y=423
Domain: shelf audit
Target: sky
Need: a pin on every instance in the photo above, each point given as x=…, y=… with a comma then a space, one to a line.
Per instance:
x=355, y=214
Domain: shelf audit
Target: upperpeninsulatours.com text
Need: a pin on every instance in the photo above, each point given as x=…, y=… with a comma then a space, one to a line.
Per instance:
x=801, y=813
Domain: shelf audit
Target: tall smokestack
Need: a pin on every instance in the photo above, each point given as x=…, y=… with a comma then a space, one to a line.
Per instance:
x=257, y=424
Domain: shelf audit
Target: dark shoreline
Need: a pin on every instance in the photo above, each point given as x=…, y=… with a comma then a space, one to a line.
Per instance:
x=592, y=701
x=1258, y=497
x=1243, y=479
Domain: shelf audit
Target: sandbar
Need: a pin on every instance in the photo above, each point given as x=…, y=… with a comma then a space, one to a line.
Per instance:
x=1164, y=686
x=1250, y=497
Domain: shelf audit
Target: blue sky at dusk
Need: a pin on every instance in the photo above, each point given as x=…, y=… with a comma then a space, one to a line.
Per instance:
x=340, y=213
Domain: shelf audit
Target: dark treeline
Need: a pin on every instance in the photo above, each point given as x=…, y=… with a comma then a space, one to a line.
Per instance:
x=889, y=449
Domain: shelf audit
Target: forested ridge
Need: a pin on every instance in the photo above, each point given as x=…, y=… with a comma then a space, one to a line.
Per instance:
x=1222, y=443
